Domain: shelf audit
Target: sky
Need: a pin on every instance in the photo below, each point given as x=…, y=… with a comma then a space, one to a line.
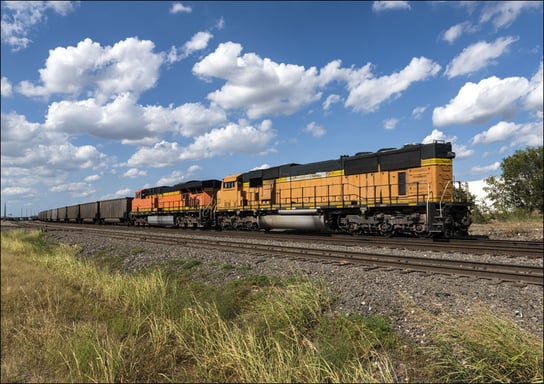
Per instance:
x=100, y=99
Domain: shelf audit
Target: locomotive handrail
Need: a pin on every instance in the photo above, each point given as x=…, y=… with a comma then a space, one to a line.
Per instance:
x=428, y=206
x=351, y=195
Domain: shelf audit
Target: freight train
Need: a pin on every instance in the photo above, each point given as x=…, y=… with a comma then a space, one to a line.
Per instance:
x=405, y=191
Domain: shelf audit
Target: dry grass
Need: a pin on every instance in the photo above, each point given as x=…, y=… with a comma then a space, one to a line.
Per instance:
x=478, y=347
x=65, y=320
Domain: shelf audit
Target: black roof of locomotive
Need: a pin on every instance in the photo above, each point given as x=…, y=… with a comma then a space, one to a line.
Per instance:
x=389, y=159
x=189, y=186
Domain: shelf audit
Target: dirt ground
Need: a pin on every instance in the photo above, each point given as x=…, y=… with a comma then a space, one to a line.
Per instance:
x=509, y=231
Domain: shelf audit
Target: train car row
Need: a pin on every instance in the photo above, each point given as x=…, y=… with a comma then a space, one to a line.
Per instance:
x=392, y=191
x=96, y=212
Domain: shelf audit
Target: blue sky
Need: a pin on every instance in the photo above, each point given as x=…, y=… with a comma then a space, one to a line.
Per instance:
x=100, y=99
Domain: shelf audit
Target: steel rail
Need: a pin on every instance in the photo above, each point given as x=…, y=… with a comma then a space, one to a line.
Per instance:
x=499, y=271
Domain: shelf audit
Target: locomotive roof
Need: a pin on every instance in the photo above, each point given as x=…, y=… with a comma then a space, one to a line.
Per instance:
x=189, y=186
x=410, y=155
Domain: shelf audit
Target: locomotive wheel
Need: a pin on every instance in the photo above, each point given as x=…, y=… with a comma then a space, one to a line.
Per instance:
x=387, y=230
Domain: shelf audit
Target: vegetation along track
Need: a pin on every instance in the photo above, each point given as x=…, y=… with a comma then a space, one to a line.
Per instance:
x=499, y=271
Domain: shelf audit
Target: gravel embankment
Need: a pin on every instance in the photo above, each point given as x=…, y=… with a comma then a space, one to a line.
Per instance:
x=396, y=294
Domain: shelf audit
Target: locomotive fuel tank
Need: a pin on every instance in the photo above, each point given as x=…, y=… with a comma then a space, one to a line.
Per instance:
x=298, y=219
x=161, y=221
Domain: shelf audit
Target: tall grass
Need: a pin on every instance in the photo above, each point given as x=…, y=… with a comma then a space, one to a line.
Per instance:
x=65, y=319
x=485, y=348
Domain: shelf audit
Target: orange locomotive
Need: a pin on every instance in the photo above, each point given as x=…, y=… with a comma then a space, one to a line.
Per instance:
x=187, y=205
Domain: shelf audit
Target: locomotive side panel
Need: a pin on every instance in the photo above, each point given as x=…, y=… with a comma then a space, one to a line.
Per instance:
x=189, y=204
x=142, y=203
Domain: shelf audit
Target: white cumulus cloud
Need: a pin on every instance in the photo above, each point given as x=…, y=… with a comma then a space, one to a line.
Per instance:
x=367, y=92
x=258, y=86
x=534, y=99
x=178, y=176
x=76, y=189
x=124, y=119
x=390, y=124
x=239, y=137
x=164, y=154
x=180, y=8
x=6, y=88
x=485, y=168
x=417, y=112
x=456, y=31
x=477, y=103
x=528, y=134
x=134, y=172
x=315, y=129
x=92, y=178
x=330, y=100
x=379, y=6
x=127, y=66
x=504, y=13
x=478, y=56
x=19, y=19
x=198, y=42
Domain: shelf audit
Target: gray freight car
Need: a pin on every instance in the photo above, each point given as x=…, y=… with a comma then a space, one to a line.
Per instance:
x=115, y=210
x=61, y=214
x=72, y=213
x=89, y=213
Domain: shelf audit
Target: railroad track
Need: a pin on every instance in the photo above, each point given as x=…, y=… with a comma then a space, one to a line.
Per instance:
x=476, y=246
x=530, y=249
x=497, y=271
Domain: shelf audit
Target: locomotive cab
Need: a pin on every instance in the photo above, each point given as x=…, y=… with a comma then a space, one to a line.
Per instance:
x=233, y=207
x=230, y=196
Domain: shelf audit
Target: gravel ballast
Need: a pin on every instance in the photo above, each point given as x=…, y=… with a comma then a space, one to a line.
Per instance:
x=396, y=294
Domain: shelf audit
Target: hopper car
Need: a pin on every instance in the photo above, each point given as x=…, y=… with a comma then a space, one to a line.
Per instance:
x=96, y=212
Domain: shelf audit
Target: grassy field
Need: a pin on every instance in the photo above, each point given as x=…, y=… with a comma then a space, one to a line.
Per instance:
x=64, y=319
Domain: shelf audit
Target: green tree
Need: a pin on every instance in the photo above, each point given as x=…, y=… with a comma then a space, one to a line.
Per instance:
x=521, y=184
